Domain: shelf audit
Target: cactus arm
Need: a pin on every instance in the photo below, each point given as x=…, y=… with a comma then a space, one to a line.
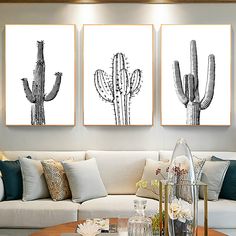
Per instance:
x=194, y=67
x=135, y=82
x=102, y=85
x=209, y=92
x=28, y=92
x=185, y=85
x=50, y=96
x=178, y=83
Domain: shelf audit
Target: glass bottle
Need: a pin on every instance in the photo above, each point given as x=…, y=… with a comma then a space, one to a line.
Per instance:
x=183, y=192
x=140, y=225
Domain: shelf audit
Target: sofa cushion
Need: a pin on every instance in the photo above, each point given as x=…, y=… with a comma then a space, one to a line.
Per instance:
x=36, y=214
x=85, y=180
x=166, y=155
x=56, y=179
x=34, y=183
x=44, y=155
x=113, y=206
x=12, y=179
x=121, y=170
x=221, y=213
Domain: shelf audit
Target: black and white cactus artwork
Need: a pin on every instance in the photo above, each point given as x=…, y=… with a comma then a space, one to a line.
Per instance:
x=119, y=88
x=195, y=75
x=40, y=75
x=187, y=89
x=118, y=75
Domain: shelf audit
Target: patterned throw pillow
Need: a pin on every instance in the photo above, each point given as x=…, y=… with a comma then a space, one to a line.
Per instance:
x=153, y=172
x=56, y=180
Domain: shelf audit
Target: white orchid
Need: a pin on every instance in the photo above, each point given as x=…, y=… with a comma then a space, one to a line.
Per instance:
x=88, y=229
x=181, y=210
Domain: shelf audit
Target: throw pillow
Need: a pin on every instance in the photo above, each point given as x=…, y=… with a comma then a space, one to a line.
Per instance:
x=213, y=175
x=12, y=179
x=34, y=183
x=56, y=180
x=153, y=171
x=84, y=180
x=198, y=167
x=228, y=190
x=1, y=189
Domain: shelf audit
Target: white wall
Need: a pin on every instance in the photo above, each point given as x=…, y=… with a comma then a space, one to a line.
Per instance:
x=115, y=138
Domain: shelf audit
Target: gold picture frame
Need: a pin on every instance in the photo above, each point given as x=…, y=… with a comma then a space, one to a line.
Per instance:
x=176, y=58
x=26, y=38
x=88, y=103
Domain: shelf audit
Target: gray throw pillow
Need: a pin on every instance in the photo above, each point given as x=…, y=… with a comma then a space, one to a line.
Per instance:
x=1, y=189
x=34, y=183
x=213, y=175
x=84, y=180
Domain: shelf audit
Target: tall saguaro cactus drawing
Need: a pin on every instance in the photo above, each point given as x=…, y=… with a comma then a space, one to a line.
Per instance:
x=188, y=89
x=37, y=95
x=119, y=88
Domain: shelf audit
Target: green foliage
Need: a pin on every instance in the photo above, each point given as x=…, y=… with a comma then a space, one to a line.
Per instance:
x=156, y=221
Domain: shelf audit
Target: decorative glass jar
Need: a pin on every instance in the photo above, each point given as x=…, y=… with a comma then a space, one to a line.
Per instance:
x=182, y=192
x=140, y=225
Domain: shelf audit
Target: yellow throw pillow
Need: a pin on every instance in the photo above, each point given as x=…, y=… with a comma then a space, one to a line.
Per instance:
x=56, y=180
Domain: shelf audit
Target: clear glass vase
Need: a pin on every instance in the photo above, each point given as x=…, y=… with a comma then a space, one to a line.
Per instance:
x=140, y=225
x=183, y=192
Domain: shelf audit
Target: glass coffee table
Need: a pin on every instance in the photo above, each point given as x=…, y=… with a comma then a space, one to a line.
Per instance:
x=69, y=229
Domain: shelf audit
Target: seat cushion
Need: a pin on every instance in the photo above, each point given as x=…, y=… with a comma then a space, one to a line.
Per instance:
x=221, y=213
x=121, y=170
x=36, y=214
x=114, y=206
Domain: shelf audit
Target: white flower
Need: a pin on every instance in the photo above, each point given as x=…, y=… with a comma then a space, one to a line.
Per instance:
x=88, y=229
x=174, y=209
x=180, y=210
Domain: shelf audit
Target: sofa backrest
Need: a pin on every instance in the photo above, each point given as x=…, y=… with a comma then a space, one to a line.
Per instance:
x=121, y=170
x=166, y=155
x=43, y=155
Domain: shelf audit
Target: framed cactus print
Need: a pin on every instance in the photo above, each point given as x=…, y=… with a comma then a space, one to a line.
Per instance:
x=196, y=75
x=118, y=75
x=40, y=75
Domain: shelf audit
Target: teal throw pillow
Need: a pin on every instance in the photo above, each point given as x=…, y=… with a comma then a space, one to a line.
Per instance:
x=12, y=179
x=228, y=190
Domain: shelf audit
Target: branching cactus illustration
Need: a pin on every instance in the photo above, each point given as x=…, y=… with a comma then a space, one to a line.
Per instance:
x=37, y=95
x=119, y=88
x=188, y=89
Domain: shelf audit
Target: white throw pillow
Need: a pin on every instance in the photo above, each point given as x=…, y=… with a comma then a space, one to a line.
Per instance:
x=1, y=189
x=84, y=180
x=34, y=183
x=213, y=175
x=153, y=170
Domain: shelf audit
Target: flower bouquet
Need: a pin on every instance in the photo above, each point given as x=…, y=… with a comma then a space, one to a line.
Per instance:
x=181, y=214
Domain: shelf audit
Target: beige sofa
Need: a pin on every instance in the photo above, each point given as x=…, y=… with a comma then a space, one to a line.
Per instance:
x=120, y=170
